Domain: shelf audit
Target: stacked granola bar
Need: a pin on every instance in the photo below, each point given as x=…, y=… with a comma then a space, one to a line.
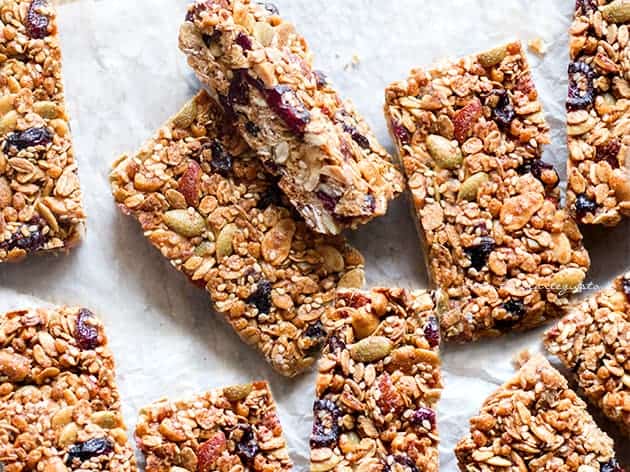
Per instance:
x=207, y=204
x=593, y=341
x=598, y=107
x=378, y=384
x=40, y=199
x=60, y=407
x=328, y=162
x=500, y=250
x=229, y=429
x=535, y=422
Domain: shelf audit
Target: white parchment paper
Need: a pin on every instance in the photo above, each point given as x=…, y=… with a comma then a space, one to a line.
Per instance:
x=125, y=76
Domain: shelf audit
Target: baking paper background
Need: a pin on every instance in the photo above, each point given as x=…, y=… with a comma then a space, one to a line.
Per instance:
x=125, y=76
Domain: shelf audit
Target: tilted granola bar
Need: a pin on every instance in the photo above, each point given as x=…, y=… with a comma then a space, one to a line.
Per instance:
x=593, y=341
x=60, y=407
x=378, y=385
x=40, y=199
x=598, y=105
x=229, y=429
x=535, y=422
x=470, y=135
x=329, y=162
x=205, y=202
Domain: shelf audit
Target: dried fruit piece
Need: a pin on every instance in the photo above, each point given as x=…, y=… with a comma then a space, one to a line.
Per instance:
x=221, y=162
x=87, y=334
x=326, y=429
x=584, y=205
x=261, y=298
x=446, y=154
x=35, y=239
x=587, y=6
x=271, y=196
x=371, y=349
x=91, y=448
x=609, y=152
x=400, y=463
x=503, y=113
x=287, y=105
x=36, y=22
x=401, y=133
x=543, y=171
x=432, y=331
x=479, y=253
x=625, y=285
x=247, y=446
x=423, y=417
x=516, y=308
x=189, y=184
x=210, y=451
x=465, y=118
x=30, y=137
x=611, y=466
x=244, y=42
x=581, y=88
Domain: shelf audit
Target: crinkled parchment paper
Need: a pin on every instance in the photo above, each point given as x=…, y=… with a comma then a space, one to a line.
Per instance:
x=125, y=76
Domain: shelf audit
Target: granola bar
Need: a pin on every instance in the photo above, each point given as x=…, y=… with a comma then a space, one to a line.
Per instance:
x=535, y=422
x=40, y=198
x=378, y=385
x=593, y=341
x=470, y=136
x=598, y=105
x=329, y=162
x=205, y=202
x=230, y=429
x=60, y=407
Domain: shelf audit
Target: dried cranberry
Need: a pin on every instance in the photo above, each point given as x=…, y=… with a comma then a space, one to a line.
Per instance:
x=190, y=16
x=403, y=135
x=432, y=331
x=404, y=462
x=238, y=93
x=581, y=87
x=536, y=167
x=356, y=136
x=36, y=23
x=87, y=334
x=584, y=205
x=247, y=446
x=261, y=298
x=422, y=415
x=587, y=6
x=609, y=152
x=611, y=466
x=478, y=254
x=27, y=138
x=503, y=112
x=329, y=201
x=288, y=106
x=625, y=285
x=91, y=448
x=270, y=7
x=221, y=162
x=30, y=243
x=320, y=78
x=210, y=39
x=516, y=308
x=244, y=42
x=325, y=423
x=252, y=128
x=271, y=196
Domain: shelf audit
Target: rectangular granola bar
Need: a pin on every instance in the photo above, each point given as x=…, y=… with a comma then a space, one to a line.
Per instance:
x=40, y=198
x=470, y=135
x=598, y=105
x=593, y=341
x=205, y=202
x=535, y=422
x=329, y=163
x=60, y=407
x=378, y=384
x=229, y=429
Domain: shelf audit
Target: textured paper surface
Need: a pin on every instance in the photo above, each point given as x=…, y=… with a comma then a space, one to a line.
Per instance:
x=125, y=77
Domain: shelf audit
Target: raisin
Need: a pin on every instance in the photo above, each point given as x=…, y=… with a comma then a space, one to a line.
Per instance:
x=36, y=23
x=238, y=93
x=86, y=334
x=584, y=205
x=422, y=415
x=516, y=308
x=609, y=152
x=625, y=285
x=543, y=171
x=30, y=243
x=320, y=79
x=503, y=112
x=587, y=6
x=335, y=343
x=329, y=201
x=221, y=162
x=261, y=298
x=315, y=330
x=403, y=462
x=581, y=86
x=478, y=254
x=252, y=128
x=210, y=39
x=270, y=7
x=271, y=196
x=247, y=446
x=288, y=106
x=325, y=424
x=611, y=466
x=401, y=133
x=244, y=42
x=91, y=448
x=27, y=138
x=315, y=336
x=356, y=136
x=432, y=331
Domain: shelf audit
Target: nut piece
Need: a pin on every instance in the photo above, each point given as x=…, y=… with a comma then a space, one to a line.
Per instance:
x=237, y=393
x=188, y=223
x=371, y=349
x=447, y=155
x=353, y=279
x=364, y=323
x=567, y=279
x=14, y=366
x=517, y=211
x=616, y=12
x=493, y=57
x=186, y=115
x=276, y=244
x=224, y=241
x=470, y=187
x=332, y=259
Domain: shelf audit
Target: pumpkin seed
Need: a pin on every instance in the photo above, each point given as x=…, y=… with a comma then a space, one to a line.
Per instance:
x=567, y=279
x=8, y=122
x=616, y=12
x=224, y=246
x=447, y=155
x=236, y=393
x=185, y=222
x=493, y=57
x=371, y=349
x=186, y=115
x=47, y=109
x=470, y=187
x=105, y=419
